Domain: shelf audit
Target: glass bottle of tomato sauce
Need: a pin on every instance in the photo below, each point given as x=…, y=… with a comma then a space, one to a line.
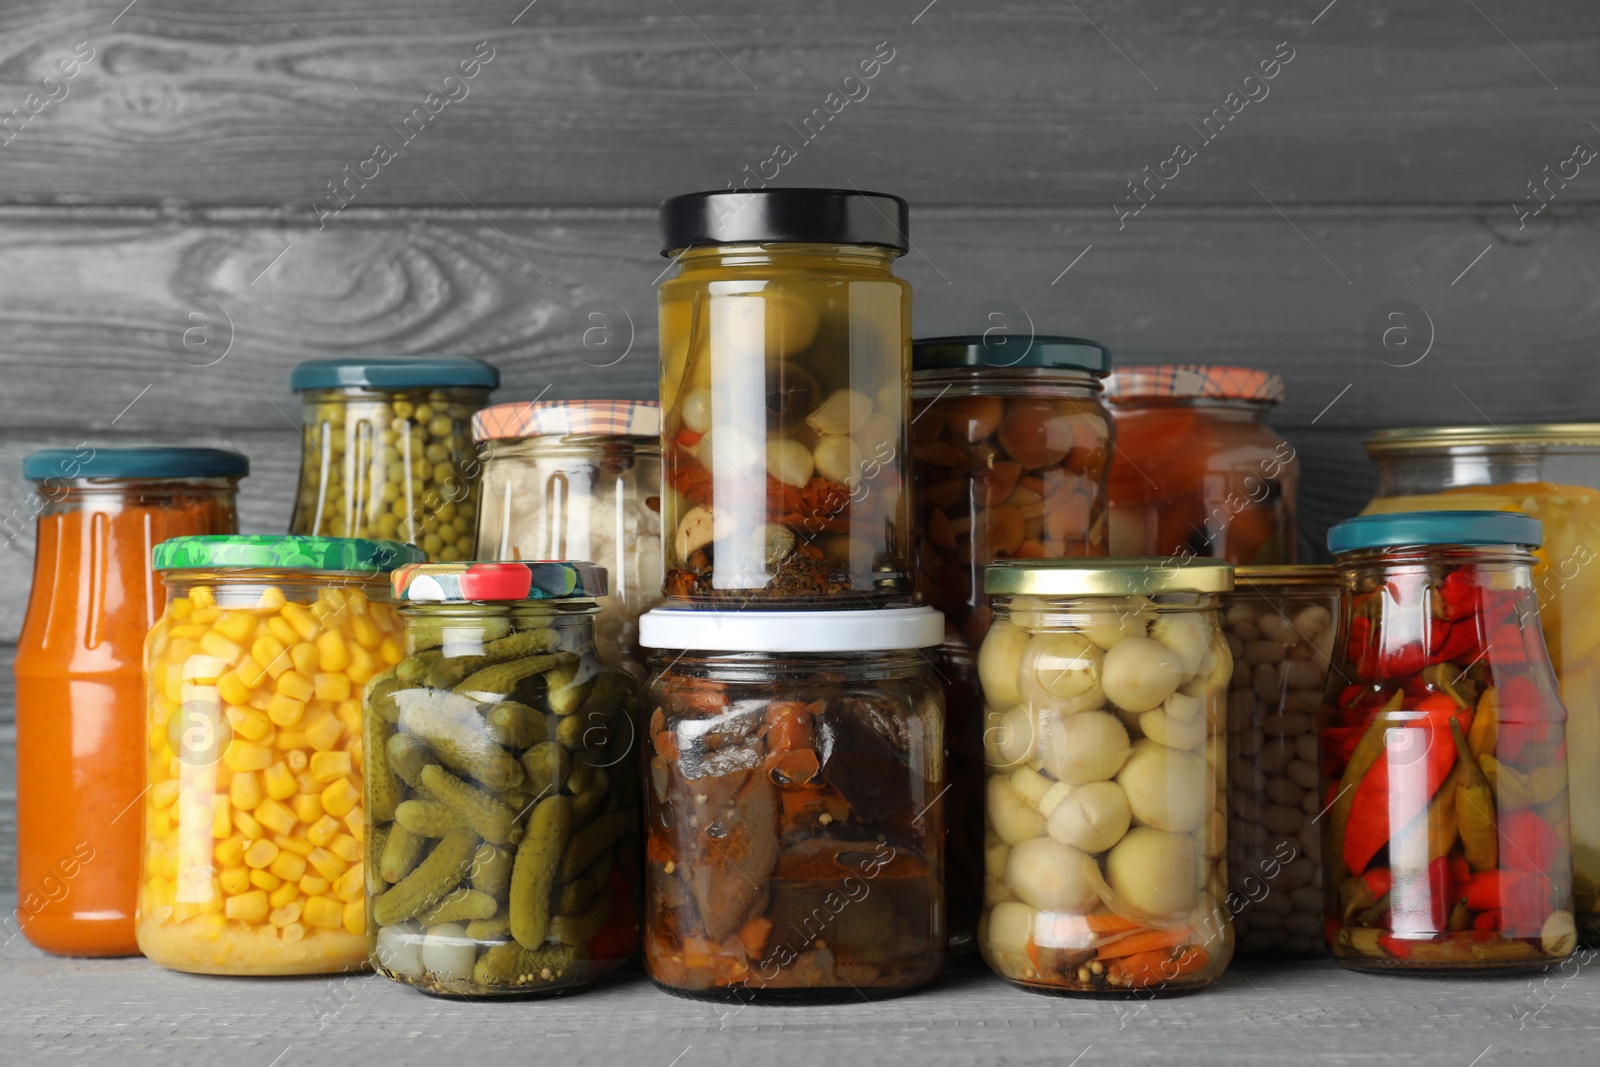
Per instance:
x=80, y=684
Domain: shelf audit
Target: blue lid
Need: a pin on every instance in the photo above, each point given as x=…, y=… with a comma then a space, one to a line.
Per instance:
x=151, y=462
x=1435, y=528
x=419, y=372
x=1004, y=351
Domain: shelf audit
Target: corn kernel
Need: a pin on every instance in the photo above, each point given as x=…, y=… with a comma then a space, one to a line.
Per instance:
x=285, y=895
x=246, y=824
x=305, y=658
x=323, y=912
x=357, y=825
x=286, y=913
x=235, y=880
x=308, y=784
x=221, y=817
x=230, y=853
x=346, y=848
x=202, y=597
x=206, y=615
x=288, y=866
x=245, y=755
x=278, y=782
x=172, y=687
x=236, y=626
x=204, y=669
x=244, y=791
x=331, y=653
x=339, y=798
x=311, y=885
x=290, y=739
x=362, y=666
x=267, y=652
x=280, y=628
x=355, y=917
x=261, y=700
x=250, y=673
x=272, y=598
x=307, y=808
x=233, y=688
x=285, y=711
x=249, y=907
x=294, y=932
x=327, y=766
x=326, y=863
x=349, y=712
x=249, y=723
x=265, y=880
x=333, y=687
x=180, y=608
x=219, y=646
x=260, y=854
x=294, y=684
x=302, y=620
x=297, y=763
x=390, y=652
x=275, y=816
x=365, y=632
x=323, y=830
x=320, y=611
x=351, y=885
x=163, y=793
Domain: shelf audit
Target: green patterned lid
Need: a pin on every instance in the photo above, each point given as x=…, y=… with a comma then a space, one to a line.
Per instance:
x=507, y=580
x=283, y=552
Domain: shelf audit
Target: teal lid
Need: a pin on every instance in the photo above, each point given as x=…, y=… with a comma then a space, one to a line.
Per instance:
x=150, y=462
x=419, y=372
x=1435, y=528
x=283, y=552
x=1004, y=351
x=508, y=580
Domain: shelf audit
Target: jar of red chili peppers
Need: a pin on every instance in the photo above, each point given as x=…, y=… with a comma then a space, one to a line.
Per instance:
x=794, y=810
x=1198, y=472
x=1010, y=446
x=1443, y=749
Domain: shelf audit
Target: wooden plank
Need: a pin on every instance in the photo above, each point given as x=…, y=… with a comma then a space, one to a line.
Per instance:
x=622, y=103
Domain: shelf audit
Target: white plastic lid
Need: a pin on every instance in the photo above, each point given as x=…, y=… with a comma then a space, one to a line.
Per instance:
x=791, y=631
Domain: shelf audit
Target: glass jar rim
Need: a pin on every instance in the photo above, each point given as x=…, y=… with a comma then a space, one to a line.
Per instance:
x=1116, y=576
x=1264, y=576
x=755, y=630
x=1424, y=440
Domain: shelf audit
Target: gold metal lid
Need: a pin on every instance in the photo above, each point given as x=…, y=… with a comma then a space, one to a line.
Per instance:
x=1285, y=576
x=1438, y=438
x=1117, y=576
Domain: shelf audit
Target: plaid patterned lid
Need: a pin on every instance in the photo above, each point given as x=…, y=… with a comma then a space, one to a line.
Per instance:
x=1193, y=380
x=506, y=580
x=605, y=418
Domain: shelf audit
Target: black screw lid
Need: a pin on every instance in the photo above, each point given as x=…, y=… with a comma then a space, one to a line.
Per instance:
x=784, y=216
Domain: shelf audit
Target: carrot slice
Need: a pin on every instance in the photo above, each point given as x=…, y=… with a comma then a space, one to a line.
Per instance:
x=1142, y=941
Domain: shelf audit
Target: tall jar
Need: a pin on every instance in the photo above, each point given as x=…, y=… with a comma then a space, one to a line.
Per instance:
x=253, y=817
x=1279, y=625
x=794, y=805
x=504, y=807
x=785, y=384
x=1105, y=860
x=387, y=450
x=1444, y=755
x=80, y=689
x=579, y=479
x=1550, y=471
x=1010, y=448
x=1198, y=472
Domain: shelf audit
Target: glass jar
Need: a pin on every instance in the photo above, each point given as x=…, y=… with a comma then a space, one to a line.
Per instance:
x=1444, y=757
x=253, y=817
x=794, y=809
x=1010, y=447
x=388, y=450
x=1279, y=625
x=503, y=843
x=80, y=687
x=1105, y=865
x=579, y=479
x=1197, y=470
x=785, y=381
x=1551, y=472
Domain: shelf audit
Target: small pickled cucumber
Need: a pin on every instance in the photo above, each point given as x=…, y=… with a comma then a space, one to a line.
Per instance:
x=377, y=841
x=498, y=679
x=516, y=725
x=588, y=802
x=610, y=689
x=491, y=870
x=566, y=693
x=432, y=879
x=494, y=928
x=461, y=744
x=483, y=812
x=579, y=930
x=412, y=669
x=401, y=851
x=378, y=695
x=584, y=731
x=407, y=757
x=534, y=870
x=573, y=897
x=545, y=766
x=463, y=904
x=582, y=771
x=590, y=843
x=427, y=818
x=383, y=788
x=513, y=964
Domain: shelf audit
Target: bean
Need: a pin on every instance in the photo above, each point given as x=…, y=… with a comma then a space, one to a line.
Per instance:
x=1277, y=628
x=1282, y=791
x=1305, y=702
x=1296, y=873
x=1312, y=804
x=1307, y=899
x=1275, y=904
x=1302, y=674
x=1241, y=673
x=1312, y=620
x=1265, y=683
x=1251, y=742
x=1302, y=923
x=1301, y=772
x=1288, y=724
x=1281, y=820
x=1245, y=631
x=1262, y=919
x=1275, y=754
x=1260, y=651
x=1235, y=646
x=1305, y=746
x=1239, y=615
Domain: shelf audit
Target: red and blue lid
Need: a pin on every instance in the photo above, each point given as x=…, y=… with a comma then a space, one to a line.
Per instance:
x=502, y=581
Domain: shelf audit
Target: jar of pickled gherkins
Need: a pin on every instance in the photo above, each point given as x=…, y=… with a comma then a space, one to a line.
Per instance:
x=1197, y=471
x=794, y=804
x=785, y=345
x=253, y=823
x=1010, y=446
x=1105, y=858
x=1279, y=625
x=1551, y=472
x=1444, y=752
x=387, y=450
x=502, y=791
x=579, y=479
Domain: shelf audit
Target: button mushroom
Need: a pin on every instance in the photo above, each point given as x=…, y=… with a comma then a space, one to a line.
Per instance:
x=1077, y=749
x=1053, y=877
x=1062, y=671
x=1091, y=817
x=1155, y=872
x=1139, y=673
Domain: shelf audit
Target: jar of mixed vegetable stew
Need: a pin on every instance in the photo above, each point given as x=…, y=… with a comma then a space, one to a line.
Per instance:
x=794, y=804
x=1105, y=866
x=502, y=788
x=785, y=375
x=1444, y=754
x=1010, y=447
x=253, y=818
x=387, y=450
x=1197, y=469
x=1551, y=472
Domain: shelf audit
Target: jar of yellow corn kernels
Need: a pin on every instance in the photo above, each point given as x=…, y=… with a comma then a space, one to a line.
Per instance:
x=253, y=823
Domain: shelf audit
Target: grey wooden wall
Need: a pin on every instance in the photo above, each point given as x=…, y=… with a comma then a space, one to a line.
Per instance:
x=198, y=151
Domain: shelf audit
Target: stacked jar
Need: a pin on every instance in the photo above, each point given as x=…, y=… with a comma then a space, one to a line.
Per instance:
x=1010, y=449
x=794, y=730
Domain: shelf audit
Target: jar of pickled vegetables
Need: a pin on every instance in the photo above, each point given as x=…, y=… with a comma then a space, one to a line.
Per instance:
x=253, y=818
x=1105, y=859
x=785, y=367
x=1444, y=754
x=1010, y=447
x=1197, y=471
x=794, y=804
x=505, y=810
x=579, y=479
x=80, y=686
x=1279, y=625
x=1551, y=472
x=387, y=450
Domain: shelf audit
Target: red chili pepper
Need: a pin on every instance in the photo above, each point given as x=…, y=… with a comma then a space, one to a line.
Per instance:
x=1528, y=843
x=688, y=438
x=1350, y=695
x=1459, y=591
x=1400, y=950
x=1460, y=644
x=1525, y=904
x=1379, y=881
x=1460, y=870
x=1341, y=742
x=1487, y=920
x=1506, y=645
x=1422, y=905
x=1488, y=890
x=1422, y=747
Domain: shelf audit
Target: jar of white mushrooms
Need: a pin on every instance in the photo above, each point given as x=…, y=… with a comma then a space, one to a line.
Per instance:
x=1105, y=686
x=1278, y=623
